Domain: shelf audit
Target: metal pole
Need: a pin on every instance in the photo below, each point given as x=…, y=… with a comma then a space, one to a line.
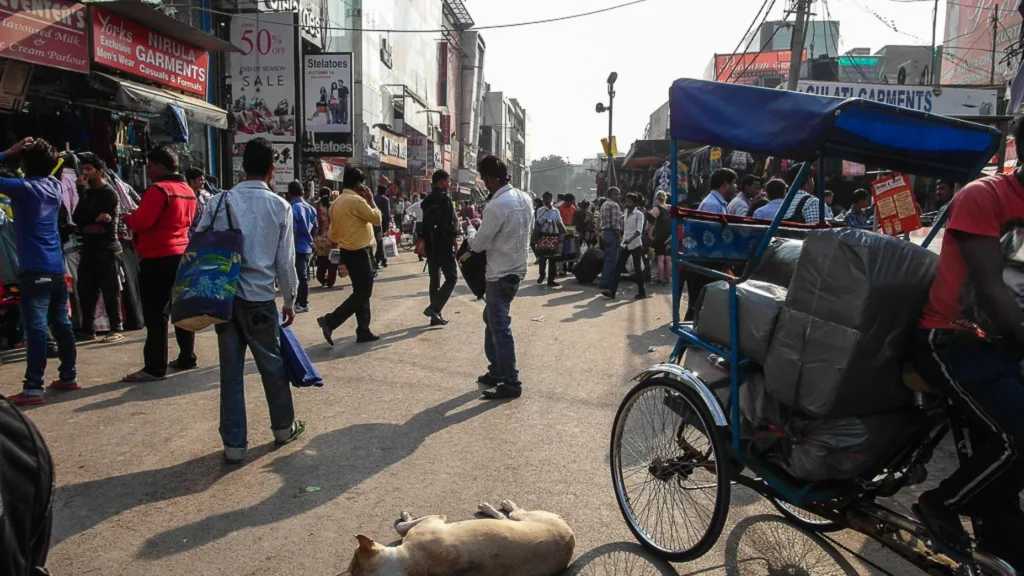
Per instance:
x=935, y=25
x=612, y=177
x=796, y=45
x=995, y=32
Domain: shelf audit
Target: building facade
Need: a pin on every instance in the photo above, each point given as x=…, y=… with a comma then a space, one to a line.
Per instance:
x=503, y=133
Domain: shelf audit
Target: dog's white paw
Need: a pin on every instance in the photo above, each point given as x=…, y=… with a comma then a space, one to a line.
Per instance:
x=488, y=510
x=509, y=506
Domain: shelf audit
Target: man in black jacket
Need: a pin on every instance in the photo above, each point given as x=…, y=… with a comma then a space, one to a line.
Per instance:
x=96, y=216
x=439, y=231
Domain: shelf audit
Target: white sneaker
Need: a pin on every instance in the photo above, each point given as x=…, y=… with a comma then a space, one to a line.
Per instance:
x=300, y=309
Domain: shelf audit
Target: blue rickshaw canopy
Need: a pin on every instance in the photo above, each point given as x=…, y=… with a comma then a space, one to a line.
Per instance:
x=801, y=126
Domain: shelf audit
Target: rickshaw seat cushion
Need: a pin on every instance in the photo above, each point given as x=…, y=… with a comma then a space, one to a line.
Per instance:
x=721, y=240
x=758, y=307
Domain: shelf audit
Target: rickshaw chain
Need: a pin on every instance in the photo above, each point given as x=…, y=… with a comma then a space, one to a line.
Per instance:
x=856, y=555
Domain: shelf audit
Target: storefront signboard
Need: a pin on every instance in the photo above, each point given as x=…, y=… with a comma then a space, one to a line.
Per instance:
x=51, y=34
x=370, y=147
x=417, y=164
x=736, y=68
x=130, y=47
x=895, y=208
x=284, y=167
x=394, y=150
x=328, y=105
x=933, y=99
x=263, y=83
x=967, y=49
x=333, y=168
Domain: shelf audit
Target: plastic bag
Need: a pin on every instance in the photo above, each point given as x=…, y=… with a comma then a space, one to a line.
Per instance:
x=390, y=247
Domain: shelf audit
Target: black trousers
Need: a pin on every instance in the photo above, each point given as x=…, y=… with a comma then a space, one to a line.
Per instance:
x=326, y=273
x=379, y=255
x=98, y=272
x=156, y=280
x=550, y=263
x=637, y=254
x=360, y=270
x=440, y=293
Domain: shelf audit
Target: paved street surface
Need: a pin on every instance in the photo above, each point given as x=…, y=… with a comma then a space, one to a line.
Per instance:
x=141, y=488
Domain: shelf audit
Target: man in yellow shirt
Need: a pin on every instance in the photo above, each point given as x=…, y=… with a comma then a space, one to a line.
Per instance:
x=353, y=216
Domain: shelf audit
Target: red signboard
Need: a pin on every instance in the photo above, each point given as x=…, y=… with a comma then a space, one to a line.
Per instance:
x=895, y=208
x=50, y=34
x=735, y=68
x=133, y=48
x=446, y=128
x=967, y=50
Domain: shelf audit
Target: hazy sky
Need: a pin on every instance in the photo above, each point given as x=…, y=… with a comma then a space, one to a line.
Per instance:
x=558, y=71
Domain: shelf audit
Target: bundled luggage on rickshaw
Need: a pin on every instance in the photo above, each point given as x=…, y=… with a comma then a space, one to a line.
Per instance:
x=793, y=379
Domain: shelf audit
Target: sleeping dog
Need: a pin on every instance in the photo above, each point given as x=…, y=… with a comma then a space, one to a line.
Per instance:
x=525, y=543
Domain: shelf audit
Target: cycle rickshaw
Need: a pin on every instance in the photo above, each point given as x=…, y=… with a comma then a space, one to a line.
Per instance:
x=673, y=468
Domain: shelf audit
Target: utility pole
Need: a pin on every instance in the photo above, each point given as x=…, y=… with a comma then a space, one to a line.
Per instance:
x=935, y=25
x=995, y=32
x=796, y=44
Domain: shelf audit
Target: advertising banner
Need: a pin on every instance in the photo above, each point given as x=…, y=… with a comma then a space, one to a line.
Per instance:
x=967, y=49
x=333, y=168
x=53, y=34
x=896, y=210
x=736, y=67
x=263, y=82
x=129, y=47
x=853, y=168
x=328, y=107
x=284, y=167
x=417, y=162
x=933, y=99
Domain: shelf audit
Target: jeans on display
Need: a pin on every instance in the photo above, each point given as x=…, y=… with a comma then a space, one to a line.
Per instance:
x=499, y=346
x=254, y=325
x=44, y=306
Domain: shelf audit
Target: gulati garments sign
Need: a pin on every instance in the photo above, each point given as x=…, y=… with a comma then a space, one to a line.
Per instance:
x=49, y=34
x=744, y=68
x=124, y=45
x=934, y=99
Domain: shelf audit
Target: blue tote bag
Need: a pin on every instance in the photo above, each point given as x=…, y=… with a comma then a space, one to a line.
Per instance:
x=207, y=281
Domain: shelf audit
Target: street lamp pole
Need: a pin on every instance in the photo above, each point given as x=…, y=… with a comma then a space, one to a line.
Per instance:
x=612, y=176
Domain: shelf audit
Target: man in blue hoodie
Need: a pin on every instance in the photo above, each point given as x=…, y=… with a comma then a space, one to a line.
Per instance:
x=36, y=200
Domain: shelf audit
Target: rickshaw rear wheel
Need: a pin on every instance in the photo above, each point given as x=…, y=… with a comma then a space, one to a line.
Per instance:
x=670, y=469
x=804, y=519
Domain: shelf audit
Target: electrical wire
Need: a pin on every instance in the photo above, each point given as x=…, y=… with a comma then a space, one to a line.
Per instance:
x=759, y=52
x=749, y=28
x=442, y=30
x=732, y=73
x=889, y=24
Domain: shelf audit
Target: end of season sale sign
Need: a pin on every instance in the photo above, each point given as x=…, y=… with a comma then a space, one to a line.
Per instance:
x=263, y=77
x=130, y=47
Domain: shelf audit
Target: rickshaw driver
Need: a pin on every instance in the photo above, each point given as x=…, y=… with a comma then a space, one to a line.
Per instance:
x=974, y=362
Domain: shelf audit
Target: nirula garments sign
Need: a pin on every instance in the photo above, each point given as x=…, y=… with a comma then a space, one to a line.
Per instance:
x=941, y=100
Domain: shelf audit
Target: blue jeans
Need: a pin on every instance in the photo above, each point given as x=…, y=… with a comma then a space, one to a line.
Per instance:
x=44, y=303
x=255, y=325
x=610, y=245
x=302, y=271
x=499, y=346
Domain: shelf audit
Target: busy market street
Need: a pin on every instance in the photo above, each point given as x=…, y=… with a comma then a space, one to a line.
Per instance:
x=142, y=487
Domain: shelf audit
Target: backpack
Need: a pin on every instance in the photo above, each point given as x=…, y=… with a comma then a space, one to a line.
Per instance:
x=798, y=215
x=26, y=495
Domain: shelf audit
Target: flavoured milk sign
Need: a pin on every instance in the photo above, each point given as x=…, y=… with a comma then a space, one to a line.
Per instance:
x=50, y=33
x=129, y=47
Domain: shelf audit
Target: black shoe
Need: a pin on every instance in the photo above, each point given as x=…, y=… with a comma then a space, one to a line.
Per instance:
x=640, y=297
x=608, y=294
x=322, y=323
x=488, y=380
x=364, y=337
x=944, y=526
x=553, y=284
x=541, y=279
x=383, y=264
x=505, y=390
x=438, y=321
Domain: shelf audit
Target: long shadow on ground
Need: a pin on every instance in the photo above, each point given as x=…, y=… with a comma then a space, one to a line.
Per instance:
x=335, y=462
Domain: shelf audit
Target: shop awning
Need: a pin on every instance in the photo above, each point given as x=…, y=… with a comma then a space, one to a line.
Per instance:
x=153, y=100
x=144, y=13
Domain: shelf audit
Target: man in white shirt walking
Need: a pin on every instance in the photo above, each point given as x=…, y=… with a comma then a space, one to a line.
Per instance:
x=632, y=247
x=268, y=256
x=505, y=235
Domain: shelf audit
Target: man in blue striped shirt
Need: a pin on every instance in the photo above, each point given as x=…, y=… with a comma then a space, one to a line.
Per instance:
x=723, y=188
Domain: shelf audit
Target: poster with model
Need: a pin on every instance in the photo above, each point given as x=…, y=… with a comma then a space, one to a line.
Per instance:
x=328, y=104
x=262, y=83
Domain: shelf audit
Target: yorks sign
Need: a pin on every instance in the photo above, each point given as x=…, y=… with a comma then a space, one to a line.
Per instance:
x=129, y=47
x=50, y=34
x=263, y=84
x=328, y=106
x=936, y=100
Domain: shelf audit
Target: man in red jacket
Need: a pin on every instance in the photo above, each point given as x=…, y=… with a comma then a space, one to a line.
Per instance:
x=160, y=235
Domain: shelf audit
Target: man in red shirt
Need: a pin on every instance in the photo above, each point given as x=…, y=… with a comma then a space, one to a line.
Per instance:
x=969, y=344
x=160, y=228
